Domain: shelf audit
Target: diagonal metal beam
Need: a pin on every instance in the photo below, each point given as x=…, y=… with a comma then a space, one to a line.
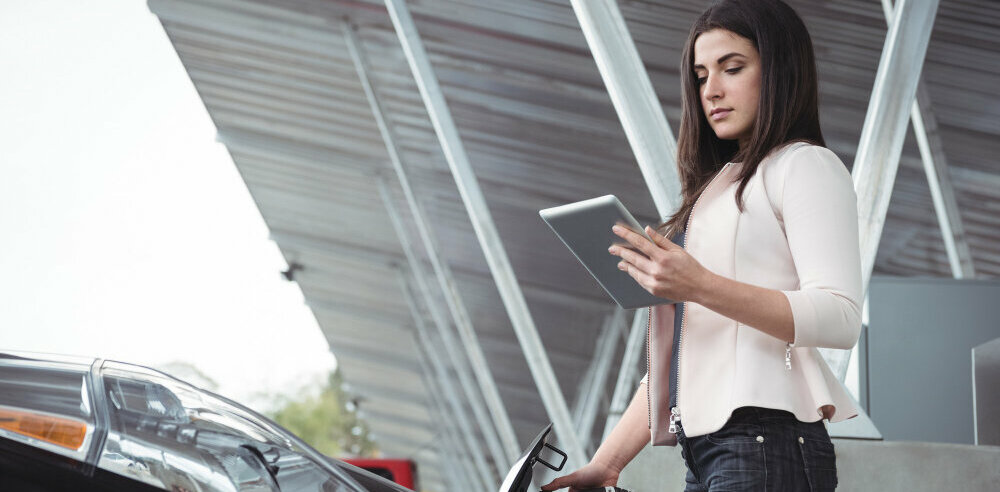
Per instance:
x=650, y=137
x=444, y=424
x=489, y=238
x=942, y=192
x=628, y=376
x=882, y=135
x=936, y=168
x=596, y=379
x=441, y=411
x=881, y=143
x=632, y=94
x=879, y=151
x=459, y=313
x=450, y=347
x=484, y=476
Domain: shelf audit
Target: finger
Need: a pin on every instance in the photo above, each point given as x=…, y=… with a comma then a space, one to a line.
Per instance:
x=636, y=240
x=645, y=280
x=622, y=244
x=556, y=484
x=660, y=239
x=637, y=259
x=642, y=278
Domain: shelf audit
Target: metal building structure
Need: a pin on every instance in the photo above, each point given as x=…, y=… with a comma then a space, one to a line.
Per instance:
x=399, y=152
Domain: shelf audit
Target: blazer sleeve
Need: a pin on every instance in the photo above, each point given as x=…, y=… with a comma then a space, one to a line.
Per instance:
x=820, y=213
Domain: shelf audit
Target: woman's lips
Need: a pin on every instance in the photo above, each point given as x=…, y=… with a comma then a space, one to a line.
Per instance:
x=721, y=114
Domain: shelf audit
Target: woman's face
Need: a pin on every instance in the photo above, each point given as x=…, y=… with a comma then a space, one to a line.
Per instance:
x=728, y=70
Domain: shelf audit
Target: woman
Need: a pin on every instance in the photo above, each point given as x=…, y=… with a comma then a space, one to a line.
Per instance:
x=766, y=269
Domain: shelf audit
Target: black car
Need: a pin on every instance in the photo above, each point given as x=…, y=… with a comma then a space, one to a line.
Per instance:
x=82, y=424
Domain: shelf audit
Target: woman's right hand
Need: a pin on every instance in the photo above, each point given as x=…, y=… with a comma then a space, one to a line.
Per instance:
x=593, y=475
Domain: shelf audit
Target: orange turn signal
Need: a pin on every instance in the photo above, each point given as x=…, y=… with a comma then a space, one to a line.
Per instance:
x=60, y=431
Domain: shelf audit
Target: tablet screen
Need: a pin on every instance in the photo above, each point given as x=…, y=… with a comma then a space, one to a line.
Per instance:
x=585, y=228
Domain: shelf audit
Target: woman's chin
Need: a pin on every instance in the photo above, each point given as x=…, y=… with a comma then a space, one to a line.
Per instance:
x=726, y=134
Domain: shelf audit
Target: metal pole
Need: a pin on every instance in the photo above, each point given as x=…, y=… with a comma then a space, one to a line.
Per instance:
x=650, y=137
x=456, y=355
x=446, y=282
x=582, y=394
x=942, y=193
x=454, y=479
x=627, y=376
x=632, y=94
x=444, y=330
x=936, y=168
x=881, y=144
x=882, y=135
x=600, y=367
x=484, y=475
x=489, y=238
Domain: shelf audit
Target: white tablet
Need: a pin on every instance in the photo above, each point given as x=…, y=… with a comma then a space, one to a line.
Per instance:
x=585, y=228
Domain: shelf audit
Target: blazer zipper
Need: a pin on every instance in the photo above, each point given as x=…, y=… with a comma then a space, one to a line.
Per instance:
x=675, y=412
x=649, y=373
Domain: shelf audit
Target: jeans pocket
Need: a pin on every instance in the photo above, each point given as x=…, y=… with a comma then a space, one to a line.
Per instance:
x=820, y=460
x=736, y=434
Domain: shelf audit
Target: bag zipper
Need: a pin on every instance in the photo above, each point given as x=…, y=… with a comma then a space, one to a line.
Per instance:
x=675, y=413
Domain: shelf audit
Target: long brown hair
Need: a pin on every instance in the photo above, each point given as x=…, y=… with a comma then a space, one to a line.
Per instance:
x=789, y=101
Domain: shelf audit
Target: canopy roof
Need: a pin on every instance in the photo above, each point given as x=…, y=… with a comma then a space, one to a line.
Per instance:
x=540, y=130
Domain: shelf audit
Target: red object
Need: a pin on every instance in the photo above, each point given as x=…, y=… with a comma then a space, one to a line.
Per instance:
x=403, y=472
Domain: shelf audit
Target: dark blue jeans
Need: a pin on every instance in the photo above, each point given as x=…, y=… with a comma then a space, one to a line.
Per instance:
x=760, y=449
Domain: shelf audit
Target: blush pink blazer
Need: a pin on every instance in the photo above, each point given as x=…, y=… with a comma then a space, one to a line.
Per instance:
x=798, y=234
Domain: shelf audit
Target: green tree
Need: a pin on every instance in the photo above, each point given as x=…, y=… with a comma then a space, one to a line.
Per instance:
x=327, y=421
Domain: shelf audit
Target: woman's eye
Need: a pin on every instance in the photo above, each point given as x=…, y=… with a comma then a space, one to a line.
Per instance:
x=701, y=80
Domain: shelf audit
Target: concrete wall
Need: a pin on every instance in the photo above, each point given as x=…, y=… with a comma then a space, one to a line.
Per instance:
x=862, y=466
x=919, y=355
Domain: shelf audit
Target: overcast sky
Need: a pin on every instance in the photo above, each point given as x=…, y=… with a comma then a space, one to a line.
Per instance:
x=126, y=230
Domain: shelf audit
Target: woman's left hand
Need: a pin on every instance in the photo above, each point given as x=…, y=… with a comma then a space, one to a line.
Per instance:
x=664, y=269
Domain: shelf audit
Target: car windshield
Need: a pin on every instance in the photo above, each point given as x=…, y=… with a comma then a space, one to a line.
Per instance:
x=169, y=434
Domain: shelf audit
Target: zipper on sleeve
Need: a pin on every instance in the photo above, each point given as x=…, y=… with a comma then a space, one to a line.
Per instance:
x=788, y=356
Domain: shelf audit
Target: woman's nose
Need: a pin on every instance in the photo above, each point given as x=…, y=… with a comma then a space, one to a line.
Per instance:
x=712, y=89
